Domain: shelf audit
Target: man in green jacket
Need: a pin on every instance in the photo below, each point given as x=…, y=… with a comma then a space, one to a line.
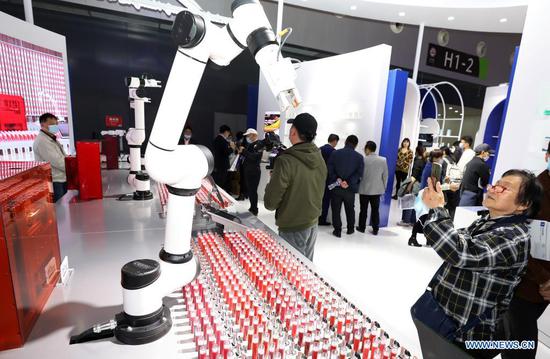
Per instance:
x=296, y=188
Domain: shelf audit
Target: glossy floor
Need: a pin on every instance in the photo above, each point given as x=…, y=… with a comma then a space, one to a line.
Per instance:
x=382, y=275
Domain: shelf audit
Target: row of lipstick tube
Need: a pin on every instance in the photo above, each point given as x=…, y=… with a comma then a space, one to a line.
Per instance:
x=256, y=299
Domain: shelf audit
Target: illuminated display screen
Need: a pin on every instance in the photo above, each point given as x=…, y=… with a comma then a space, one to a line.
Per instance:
x=34, y=73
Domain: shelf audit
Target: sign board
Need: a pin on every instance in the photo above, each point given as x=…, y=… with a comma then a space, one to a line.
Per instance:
x=12, y=113
x=113, y=121
x=456, y=61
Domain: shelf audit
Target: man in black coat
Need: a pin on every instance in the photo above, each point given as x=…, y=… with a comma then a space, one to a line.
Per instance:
x=223, y=147
x=251, y=167
x=345, y=167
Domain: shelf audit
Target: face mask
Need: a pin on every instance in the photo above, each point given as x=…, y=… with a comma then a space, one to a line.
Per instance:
x=53, y=128
x=461, y=145
x=187, y=137
x=486, y=158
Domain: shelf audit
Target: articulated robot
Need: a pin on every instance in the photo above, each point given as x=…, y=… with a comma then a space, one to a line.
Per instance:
x=145, y=282
x=138, y=178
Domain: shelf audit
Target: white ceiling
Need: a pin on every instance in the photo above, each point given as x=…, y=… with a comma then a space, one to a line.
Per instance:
x=469, y=15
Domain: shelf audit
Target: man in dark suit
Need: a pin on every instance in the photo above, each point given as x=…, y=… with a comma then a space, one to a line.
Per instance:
x=223, y=147
x=326, y=151
x=345, y=168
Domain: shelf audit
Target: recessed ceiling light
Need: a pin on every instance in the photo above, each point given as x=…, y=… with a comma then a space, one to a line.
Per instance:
x=456, y=111
x=451, y=18
x=503, y=19
x=450, y=107
x=401, y=13
x=353, y=7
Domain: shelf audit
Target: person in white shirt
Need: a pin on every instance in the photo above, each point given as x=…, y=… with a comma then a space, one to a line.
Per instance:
x=466, y=143
x=47, y=149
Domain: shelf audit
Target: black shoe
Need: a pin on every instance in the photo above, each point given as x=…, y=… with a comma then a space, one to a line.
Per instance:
x=413, y=242
x=337, y=233
x=253, y=211
x=362, y=230
x=324, y=223
x=374, y=231
x=350, y=231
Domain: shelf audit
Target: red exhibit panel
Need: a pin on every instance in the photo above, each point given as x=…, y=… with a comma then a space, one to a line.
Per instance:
x=29, y=248
x=109, y=147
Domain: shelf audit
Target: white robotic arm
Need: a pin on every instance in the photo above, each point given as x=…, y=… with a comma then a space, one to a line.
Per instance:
x=138, y=179
x=182, y=168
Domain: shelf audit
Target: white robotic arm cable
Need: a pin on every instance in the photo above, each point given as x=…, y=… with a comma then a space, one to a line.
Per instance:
x=145, y=282
x=138, y=178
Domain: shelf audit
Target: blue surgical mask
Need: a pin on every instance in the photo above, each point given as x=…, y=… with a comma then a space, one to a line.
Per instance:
x=53, y=128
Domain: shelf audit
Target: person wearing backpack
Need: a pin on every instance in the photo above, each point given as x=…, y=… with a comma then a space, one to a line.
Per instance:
x=482, y=264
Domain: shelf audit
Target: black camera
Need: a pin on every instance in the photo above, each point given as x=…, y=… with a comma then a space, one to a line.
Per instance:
x=274, y=146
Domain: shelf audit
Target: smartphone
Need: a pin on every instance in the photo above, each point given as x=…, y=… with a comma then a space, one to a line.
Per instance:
x=436, y=173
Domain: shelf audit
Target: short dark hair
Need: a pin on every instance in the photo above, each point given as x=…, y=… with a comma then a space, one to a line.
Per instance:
x=405, y=140
x=46, y=116
x=187, y=127
x=371, y=146
x=446, y=150
x=530, y=191
x=456, y=143
x=352, y=140
x=224, y=128
x=420, y=150
x=332, y=137
x=308, y=137
x=435, y=154
x=468, y=139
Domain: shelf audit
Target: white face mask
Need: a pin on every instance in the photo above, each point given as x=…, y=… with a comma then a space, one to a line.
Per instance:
x=461, y=145
x=187, y=137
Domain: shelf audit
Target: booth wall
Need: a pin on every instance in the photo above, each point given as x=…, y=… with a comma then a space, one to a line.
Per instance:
x=526, y=129
x=345, y=93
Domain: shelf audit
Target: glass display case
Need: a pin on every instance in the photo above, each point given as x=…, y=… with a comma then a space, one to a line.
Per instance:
x=29, y=248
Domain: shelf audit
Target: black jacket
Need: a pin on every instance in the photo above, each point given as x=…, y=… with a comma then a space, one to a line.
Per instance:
x=418, y=167
x=221, y=152
x=252, y=157
x=476, y=176
x=348, y=165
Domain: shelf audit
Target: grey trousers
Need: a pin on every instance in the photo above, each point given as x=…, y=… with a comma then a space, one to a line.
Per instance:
x=303, y=241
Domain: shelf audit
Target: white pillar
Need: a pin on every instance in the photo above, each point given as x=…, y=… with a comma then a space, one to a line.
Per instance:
x=526, y=129
x=418, y=51
x=27, y=5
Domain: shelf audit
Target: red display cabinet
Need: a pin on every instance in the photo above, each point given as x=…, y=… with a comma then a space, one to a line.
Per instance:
x=109, y=147
x=89, y=170
x=29, y=248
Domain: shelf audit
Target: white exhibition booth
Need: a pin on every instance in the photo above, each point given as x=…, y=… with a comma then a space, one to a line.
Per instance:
x=345, y=93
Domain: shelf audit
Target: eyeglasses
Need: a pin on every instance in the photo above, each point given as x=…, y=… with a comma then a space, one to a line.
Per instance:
x=498, y=188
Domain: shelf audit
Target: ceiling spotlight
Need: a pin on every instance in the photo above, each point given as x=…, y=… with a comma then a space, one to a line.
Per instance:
x=503, y=19
x=450, y=107
x=456, y=111
x=451, y=18
x=401, y=13
x=353, y=7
